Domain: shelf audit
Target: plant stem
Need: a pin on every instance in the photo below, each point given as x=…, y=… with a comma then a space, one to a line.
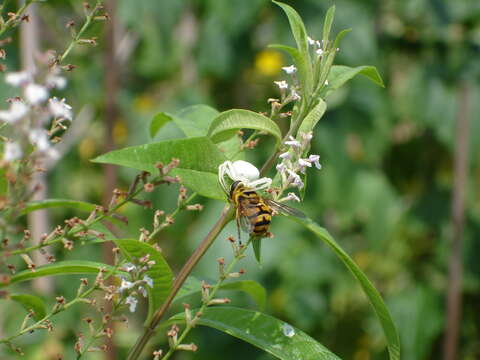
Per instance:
x=10, y=23
x=149, y=331
x=80, y=33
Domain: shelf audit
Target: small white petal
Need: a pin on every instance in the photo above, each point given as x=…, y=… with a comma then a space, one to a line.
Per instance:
x=326, y=82
x=310, y=40
x=125, y=285
x=292, y=142
x=132, y=301
x=282, y=84
x=304, y=162
x=17, y=111
x=281, y=167
x=55, y=81
x=285, y=155
x=12, y=151
x=38, y=137
x=292, y=196
x=142, y=291
x=319, y=52
x=290, y=69
x=148, y=280
x=316, y=160
x=36, y=94
x=59, y=108
x=129, y=267
x=18, y=78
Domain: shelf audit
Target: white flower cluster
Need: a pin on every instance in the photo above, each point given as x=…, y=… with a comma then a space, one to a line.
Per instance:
x=29, y=114
x=284, y=86
x=292, y=162
x=132, y=288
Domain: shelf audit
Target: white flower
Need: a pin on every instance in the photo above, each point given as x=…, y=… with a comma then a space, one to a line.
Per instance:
x=55, y=81
x=304, y=163
x=148, y=280
x=18, y=78
x=129, y=267
x=142, y=291
x=326, y=82
x=295, y=95
x=12, y=151
x=292, y=142
x=132, y=301
x=306, y=136
x=290, y=69
x=38, y=137
x=319, y=52
x=310, y=40
x=60, y=109
x=292, y=196
x=35, y=94
x=295, y=179
x=281, y=84
x=315, y=159
x=281, y=168
x=17, y=111
x=125, y=285
x=285, y=155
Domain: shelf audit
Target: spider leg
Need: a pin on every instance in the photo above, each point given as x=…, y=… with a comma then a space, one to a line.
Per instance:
x=237, y=217
x=260, y=184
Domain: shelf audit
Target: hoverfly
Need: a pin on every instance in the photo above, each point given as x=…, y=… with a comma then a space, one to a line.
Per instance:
x=253, y=212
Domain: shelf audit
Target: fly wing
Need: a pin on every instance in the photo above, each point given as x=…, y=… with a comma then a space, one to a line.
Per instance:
x=284, y=209
x=245, y=224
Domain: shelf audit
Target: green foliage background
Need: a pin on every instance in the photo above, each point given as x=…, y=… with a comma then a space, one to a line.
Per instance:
x=385, y=188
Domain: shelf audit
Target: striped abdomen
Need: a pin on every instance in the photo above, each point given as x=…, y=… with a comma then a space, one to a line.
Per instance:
x=253, y=208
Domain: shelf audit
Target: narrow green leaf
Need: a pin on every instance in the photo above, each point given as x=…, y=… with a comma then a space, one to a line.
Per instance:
x=339, y=37
x=51, y=203
x=59, y=268
x=199, y=160
x=301, y=38
x=383, y=315
x=312, y=118
x=340, y=74
x=192, y=287
x=226, y=125
x=160, y=272
x=327, y=25
x=257, y=248
x=263, y=331
x=31, y=302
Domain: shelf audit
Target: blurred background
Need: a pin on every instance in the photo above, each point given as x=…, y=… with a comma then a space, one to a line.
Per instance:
x=391, y=158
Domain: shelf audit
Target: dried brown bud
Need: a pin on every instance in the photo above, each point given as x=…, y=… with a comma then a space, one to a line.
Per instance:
x=70, y=24
x=148, y=187
x=60, y=300
x=69, y=67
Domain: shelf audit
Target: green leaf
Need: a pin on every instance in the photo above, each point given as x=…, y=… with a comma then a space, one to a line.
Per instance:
x=257, y=248
x=31, y=302
x=301, y=38
x=327, y=25
x=340, y=74
x=258, y=293
x=226, y=125
x=252, y=288
x=383, y=315
x=160, y=272
x=199, y=160
x=312, y=118
x=193, y=120
x=263, y=331
x=158, y=122
x=59, y=268
x=50, y=203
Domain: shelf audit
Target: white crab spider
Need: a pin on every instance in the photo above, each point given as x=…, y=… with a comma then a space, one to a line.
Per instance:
x=242, y=171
